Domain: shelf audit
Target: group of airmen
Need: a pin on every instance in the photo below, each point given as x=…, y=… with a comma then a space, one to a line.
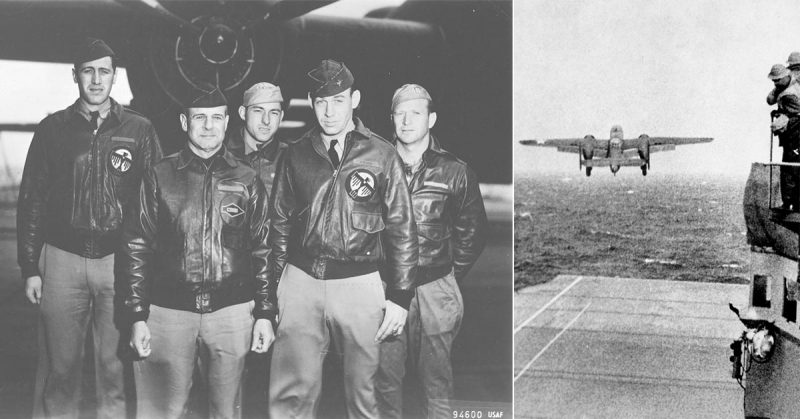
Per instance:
x=339, y=241
x=786, y=125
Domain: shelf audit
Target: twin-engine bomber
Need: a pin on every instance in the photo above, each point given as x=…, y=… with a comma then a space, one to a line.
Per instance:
x=616, y=151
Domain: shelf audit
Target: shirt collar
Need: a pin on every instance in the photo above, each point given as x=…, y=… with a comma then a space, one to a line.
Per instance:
x=109, y=109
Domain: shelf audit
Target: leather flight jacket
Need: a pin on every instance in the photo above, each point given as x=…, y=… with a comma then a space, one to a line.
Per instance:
x=449, y=213
x=198, y=241
x=264, y=160
x=338, y=222
x=78, y=182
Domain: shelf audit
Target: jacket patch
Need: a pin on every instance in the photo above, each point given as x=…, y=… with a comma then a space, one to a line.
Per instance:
x=231, y=209
x=123, y=139
x=360, y=185
x=120, y=159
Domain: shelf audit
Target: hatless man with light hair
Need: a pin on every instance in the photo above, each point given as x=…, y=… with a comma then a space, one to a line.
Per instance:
x=451, y=226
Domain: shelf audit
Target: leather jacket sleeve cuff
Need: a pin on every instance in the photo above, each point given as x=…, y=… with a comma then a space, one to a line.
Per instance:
x=400, y=297
x=29, y=271
x=263, y=314
x=139, y=316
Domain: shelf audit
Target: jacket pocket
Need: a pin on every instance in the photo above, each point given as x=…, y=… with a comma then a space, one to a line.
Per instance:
x=363, y=237
x=233, y=238
x=434, y=241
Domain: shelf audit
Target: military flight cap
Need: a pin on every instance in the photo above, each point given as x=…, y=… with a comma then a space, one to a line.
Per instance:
x=329, y=78
x=408, y=92
x=262, y=93
x=208, y=99
x=91, y=49
x=778, y=72
x=794, y=59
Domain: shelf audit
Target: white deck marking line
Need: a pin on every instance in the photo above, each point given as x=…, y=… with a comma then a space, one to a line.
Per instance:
x=552, y=300
x=528, y=365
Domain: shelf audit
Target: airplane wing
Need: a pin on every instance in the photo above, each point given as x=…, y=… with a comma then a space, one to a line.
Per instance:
x=678, y=140
x=669, y=143
x=630, y=146
x=565, y=145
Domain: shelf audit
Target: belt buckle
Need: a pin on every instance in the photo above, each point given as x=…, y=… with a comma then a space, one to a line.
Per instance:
x=318, y=269
x=203, y=301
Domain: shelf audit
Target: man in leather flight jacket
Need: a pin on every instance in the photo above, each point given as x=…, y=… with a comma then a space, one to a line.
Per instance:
x=193, y=260
x=257, y=143
x=341, y=205
x=451, y=223
x=83, y=167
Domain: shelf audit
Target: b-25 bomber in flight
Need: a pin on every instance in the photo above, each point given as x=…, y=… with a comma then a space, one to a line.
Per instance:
x=616, y=151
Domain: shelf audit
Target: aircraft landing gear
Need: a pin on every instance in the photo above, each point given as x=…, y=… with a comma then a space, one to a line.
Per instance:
x=644, y=170
x=588, y=171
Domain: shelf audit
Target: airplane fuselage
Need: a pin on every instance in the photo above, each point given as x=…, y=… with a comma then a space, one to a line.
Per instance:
x=615, y=146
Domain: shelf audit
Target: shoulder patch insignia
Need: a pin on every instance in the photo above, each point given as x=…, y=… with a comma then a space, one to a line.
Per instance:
x=360, y=185
x=120, y=159
x=232, y=210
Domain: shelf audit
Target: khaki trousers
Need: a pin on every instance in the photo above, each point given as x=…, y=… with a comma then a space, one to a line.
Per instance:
x=177, y=338
x=434, y=318
x=312, y=313
x=77, y=293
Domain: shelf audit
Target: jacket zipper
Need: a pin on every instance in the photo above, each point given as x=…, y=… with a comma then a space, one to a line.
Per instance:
x=206, y=181
x=93, y=188
x=329, y=193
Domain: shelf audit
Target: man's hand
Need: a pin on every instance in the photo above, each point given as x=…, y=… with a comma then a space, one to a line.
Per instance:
x=394, y=319
x=263, y=336
x=779, y=123
x=33, y=289
x=140, y=338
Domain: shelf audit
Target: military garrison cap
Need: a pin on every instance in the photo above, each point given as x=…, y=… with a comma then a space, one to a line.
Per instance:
x=778, y=72
x=329, y=78
x=408, y=92
x=206, y=99
x=262, y=93
x=89, y=50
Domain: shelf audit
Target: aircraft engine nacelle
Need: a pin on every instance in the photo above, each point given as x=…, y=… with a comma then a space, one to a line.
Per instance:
x=644, y=148
x=587, y=147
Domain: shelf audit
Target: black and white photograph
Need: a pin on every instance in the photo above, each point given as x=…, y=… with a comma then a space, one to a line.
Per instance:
x=655, y=209
x=257, y=208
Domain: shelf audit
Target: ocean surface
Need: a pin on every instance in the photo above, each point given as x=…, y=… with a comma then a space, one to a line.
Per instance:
x=687, y=227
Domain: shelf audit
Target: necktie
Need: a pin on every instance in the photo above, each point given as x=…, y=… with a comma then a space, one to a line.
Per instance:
x=93, y=122
x=333, y=154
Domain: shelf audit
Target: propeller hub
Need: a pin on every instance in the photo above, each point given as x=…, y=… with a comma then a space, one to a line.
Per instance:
x=218, y=43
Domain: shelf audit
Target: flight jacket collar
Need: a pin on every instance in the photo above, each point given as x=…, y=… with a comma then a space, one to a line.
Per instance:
x=186, y=156
x=267, y=151
x=114, y=113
